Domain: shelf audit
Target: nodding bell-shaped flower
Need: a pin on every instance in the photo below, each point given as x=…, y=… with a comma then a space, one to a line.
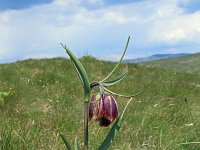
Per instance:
x=103, y=108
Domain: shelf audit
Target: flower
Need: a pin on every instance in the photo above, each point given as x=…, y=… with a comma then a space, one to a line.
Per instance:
x=103, y=108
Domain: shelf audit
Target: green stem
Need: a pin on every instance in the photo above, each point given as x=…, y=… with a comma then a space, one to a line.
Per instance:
x=86, y=119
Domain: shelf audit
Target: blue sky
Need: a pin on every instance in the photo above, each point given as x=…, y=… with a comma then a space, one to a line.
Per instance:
x=34, y=28
x=20, y=4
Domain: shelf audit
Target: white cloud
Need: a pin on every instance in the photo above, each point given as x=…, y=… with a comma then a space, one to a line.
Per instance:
x=40, y=55
x=66, y=3
x=182, y=28
x=38, y=30
x=175, y=35
x=116, y=57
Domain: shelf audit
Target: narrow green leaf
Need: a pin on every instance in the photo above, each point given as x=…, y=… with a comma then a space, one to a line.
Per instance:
x=67, y=145
x=126, y=96
x=110, y=137
x=81, y=73
x=118, y=62
x=76, y=147
x=115, y=81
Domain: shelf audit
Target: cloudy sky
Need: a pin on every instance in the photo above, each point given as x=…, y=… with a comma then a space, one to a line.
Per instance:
x=34, y=28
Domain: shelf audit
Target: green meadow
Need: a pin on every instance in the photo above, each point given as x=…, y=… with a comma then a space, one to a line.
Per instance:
x=46, y=98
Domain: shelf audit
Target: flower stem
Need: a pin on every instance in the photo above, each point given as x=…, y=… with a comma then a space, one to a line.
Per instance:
x=86, y=119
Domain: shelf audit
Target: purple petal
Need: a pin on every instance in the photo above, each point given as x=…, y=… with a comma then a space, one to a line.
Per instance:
x=107, y=110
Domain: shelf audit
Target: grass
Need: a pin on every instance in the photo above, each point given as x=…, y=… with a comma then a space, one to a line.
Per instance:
x=47, y=100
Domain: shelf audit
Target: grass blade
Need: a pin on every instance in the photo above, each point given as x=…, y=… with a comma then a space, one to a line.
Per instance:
x=110, y=137
x=67, y=145
x=76, y=147
x=193, y=120
x=118, y=62
x=81, y=73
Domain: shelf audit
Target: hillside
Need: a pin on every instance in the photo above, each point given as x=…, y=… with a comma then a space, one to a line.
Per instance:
x=189, y=63
x=155, y=57
x=47, y=97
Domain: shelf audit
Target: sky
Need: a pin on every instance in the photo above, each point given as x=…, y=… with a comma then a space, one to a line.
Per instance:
x=35, y=28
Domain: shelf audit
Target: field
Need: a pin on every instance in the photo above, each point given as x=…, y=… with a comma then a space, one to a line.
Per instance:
x=46, y=99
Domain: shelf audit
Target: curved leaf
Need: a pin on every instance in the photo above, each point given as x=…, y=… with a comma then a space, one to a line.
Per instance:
x=81, y=73
x=118, y=62
x=110, y=137
x=67, y=145
x=126, y=96
x=115, y=81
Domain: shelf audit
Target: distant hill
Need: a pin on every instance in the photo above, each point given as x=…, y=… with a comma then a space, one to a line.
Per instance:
x=155, y=57
x=189, y=63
